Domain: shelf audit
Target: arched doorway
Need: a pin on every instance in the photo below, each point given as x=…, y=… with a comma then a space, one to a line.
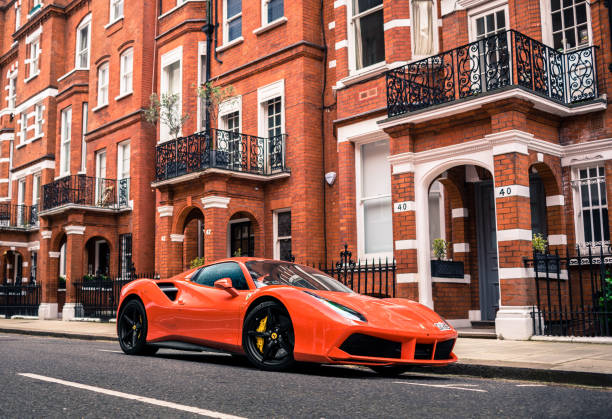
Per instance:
x=98, y=256
x=193, y=233
x=241, y=235
x=13, y=267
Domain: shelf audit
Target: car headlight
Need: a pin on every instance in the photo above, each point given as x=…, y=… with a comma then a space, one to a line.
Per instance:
x=344, y=311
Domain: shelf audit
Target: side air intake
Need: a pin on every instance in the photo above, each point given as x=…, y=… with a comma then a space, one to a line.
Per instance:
x=169, y=289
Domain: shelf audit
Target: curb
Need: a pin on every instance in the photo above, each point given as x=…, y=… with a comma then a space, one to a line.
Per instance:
x=520, y=373
x=58, y=334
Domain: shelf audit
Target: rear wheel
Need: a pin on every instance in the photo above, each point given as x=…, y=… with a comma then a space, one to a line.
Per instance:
x=267, y=337
x=132, y=329
x=390, y=370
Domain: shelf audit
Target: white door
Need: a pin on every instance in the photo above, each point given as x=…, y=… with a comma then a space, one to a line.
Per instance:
x=100, y=177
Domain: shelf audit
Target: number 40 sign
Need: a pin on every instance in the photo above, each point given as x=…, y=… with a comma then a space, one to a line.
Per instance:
x=403, y=206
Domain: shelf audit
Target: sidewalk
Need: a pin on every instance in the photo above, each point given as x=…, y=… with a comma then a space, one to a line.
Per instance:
x=565, y=362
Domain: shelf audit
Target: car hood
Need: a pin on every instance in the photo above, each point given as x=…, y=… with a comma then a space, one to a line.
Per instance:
x=388, y=313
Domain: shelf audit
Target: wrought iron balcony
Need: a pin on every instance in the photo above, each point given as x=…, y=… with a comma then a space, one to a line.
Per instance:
x=221, y=149
x=18, y=216
x=504, y=60
x=86, y=191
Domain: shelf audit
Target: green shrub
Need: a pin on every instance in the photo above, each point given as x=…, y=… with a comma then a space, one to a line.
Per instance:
x=196, y=262
x=440, y=248
x=539, y=243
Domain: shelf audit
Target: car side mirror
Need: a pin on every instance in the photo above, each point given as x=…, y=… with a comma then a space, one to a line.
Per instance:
x=226, y=285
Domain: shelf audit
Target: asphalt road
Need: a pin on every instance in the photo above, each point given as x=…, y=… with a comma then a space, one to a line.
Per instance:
x=50, y=377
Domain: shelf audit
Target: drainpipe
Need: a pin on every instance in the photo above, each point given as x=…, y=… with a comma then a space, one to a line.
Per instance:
x=208, y=29
x=323, y=109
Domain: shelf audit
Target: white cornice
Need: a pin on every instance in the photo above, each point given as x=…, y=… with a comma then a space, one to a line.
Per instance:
x=215, y=202
x=54, y=255
x=73, y=229
x=177, y=238
x=165, y=211
x=18, y=244
x=587, y=151
x=46, y=234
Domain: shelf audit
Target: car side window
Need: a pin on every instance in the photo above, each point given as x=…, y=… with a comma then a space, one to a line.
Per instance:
x=208, y=275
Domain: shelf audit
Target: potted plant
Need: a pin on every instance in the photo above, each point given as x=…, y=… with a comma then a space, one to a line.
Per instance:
x=543, y=261
x=442, y=268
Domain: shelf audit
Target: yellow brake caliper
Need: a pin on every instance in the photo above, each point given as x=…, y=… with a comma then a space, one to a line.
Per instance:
x=262, y=328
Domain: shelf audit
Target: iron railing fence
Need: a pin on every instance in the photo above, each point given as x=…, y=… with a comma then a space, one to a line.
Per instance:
x=505, y=59
x=99, y=295
x=376, y=277
x=222, y=150
x=86, y=191
x=19, y=300
x=573, y=293
x=18, y=216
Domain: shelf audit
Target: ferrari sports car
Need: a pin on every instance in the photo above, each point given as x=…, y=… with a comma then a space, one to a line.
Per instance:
x=277, y=313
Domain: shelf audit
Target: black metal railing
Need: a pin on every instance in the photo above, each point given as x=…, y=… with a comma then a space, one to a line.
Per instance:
x=18, y=216
x=222, y=150
x=99, y=295
x=376, y=278
x=505, y=59
x=573, y=293
x=86, y=191
x=19, y=300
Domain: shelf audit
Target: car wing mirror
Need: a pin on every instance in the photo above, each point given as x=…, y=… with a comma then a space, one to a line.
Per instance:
x=226, y=285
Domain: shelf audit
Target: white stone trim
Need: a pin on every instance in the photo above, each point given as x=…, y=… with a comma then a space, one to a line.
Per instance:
x=46, y=234
x=332, y=64
x=474, y=315
x=407, y=278
x=47, y=311
x=515, y=190
x=341, y=44
x=339, y=3
x=456, y=323
x=74, y=229
x=460, y=213
x=410, y=206
x=38, y=167
x=514, y=234
x=266, y=27
x=465, y=280
x=522, y=273
x=396, y=23
x=215, y=202
x=35, y=99
x=18, y=244
x=174, y=9
x=461, y=247
x=557, y=240
x=54, y=255
x=406, y=244
x=331, y=25
x=165, y=211
x=587, y=152
x=555, y=200
x=514, y=323
x=177, y=238
x=72, y=311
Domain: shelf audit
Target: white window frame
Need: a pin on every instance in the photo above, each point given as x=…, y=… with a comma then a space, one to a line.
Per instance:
x=36, y=183
x=227, y=21
x=62, y=261
x=100, y=174
x=126, y=81
x=168, y=59
x=21, y=193
x=86, y=22
x=23, y=127
x=34, y=59
x=484, y=10
x=359, y=202
x=38, y=119
x=577, y=199
x=264, y=13
x=352, y=39
x=436, y=35
x=264, y=94
x=113, y=6
x=103, y=76
x=231, y=105
x=65, y=139
x=11, y=97
x=202, y=80
x=84, y=119
x=17, y=16
x=546, y=24
x=277, y=239
x=122, y=147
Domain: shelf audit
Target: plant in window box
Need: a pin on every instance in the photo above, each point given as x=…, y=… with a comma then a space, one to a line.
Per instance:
x=543, y=261
x=442, y=268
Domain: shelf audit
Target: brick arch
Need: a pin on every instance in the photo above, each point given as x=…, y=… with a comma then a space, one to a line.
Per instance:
x=182, y=218
x=88, y=238
x=257, y=223
x=56, y=241
x=552, y=184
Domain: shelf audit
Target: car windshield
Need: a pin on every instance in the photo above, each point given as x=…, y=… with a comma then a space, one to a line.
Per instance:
x=267, y=272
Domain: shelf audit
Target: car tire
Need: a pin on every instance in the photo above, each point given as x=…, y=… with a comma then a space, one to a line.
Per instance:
x=268, y=338
x=132, y=329
x=390, y=370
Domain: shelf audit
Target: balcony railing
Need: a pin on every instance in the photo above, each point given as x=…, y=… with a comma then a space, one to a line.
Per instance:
x=499, y=61
x=221, y=150
x=18, y=216
x=87, y=191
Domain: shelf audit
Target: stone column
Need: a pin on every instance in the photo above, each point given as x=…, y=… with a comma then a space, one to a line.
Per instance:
x=215, y=227
x=74, y=270
x=48, y=268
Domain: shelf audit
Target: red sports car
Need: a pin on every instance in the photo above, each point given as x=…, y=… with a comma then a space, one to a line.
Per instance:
x=277, y=313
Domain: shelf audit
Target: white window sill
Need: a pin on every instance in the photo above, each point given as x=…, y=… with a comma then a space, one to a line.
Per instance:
x=356, y=76
x=123, y=95
x=231, y=44
x=97, y=108
x=32, y=77
x=109, y=24
x=71, y=72
x=271, y=25
x=175, y=8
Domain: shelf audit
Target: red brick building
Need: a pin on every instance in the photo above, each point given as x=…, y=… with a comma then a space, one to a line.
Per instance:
x=479, y=122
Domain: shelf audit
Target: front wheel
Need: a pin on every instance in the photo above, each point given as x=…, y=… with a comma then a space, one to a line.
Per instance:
x=132, y=329
x=267, y=337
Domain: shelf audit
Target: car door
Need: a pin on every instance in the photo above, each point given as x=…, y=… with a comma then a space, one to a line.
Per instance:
x=213, y=316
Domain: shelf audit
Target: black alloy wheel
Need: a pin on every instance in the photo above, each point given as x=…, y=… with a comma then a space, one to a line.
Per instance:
x=132, y=329
x=390, y=370
x=267, y=337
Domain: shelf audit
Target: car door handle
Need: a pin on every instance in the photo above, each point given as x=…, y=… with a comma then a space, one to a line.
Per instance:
x=180, y=301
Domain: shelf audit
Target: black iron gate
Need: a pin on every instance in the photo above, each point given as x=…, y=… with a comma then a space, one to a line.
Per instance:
x=19, y=300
